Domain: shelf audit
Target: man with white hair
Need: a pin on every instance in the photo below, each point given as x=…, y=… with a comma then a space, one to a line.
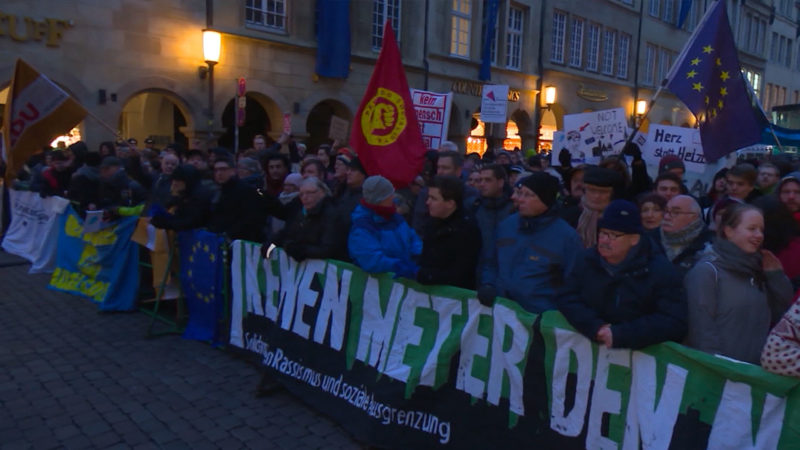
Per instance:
x=448, y=146
x=683, y=234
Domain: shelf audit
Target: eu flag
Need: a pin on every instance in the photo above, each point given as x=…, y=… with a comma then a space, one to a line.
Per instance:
x=201, y=275
x=488, y=38
x=707, y=78
x=333, y=38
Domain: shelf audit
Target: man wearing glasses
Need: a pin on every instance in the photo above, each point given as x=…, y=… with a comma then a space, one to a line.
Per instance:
x=622, y=293
x=683, y=234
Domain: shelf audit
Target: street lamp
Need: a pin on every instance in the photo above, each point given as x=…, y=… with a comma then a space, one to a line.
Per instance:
x=211, y=49
x=549, y=96
x=640, y=110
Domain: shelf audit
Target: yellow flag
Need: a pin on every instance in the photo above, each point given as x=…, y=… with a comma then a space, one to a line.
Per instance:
x=37, y=111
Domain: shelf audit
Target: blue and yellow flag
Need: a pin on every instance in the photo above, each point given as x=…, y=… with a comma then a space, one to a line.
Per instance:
x=708, y=79
x=202, y=271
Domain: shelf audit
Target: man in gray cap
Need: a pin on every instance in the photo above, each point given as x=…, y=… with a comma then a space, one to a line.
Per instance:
x=380, y=240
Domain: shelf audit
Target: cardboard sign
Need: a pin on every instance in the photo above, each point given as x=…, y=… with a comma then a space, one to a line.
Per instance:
x=494, y=103
x=666, y=140
x=433, y=115
x=594, y=135
x=338, y=129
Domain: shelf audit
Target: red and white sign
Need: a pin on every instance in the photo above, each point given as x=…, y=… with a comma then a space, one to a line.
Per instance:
x=433, y=115
x=494, y=103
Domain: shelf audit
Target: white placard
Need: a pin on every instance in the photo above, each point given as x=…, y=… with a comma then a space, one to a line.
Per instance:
x=433, y=115
x=594, y=135
x=494, y=103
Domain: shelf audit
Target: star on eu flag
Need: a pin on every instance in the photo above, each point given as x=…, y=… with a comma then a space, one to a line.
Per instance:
x=696, y=61
x=708, y=49
x=723, y=91
x=724, y=75
x=691, y=74
x=697, y=86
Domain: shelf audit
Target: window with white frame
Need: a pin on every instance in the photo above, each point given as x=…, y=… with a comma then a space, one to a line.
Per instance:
x=460, y=35
x=649, y=64
x=788, y=61
x=576, y=43
x=266, y=13
x=654, y=9
x=664, y=63
x=383, y=10
x=773, y=48
x=623, y=53
x=559, y=32
x=514, y=38
x=609, y=39
x=593, y=48
x=484, y=25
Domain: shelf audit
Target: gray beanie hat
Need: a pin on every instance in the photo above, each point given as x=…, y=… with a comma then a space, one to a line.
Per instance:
x=376, y=189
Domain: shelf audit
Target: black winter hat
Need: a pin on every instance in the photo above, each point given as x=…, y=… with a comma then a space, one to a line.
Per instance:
x=599, y=176
x=544, y=185
x=622, y=216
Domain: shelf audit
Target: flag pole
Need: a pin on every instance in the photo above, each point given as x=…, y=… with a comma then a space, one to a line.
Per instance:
x=116, y=133
x=775, y=136
x=646, y=113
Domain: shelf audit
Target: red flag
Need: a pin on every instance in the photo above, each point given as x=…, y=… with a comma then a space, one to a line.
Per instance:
x=386, y=135
x=37, y=110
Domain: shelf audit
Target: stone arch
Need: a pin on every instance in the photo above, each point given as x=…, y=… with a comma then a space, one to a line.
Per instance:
x=261, y=114
x=156, y=113
x=318, y=120
x=189, y=104
x=269, y=97
x=527, y=130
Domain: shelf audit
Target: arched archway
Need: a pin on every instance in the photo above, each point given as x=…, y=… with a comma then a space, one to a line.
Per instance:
x=258, y=113
x=156, y=114
x=526, y=129
x=319, y=121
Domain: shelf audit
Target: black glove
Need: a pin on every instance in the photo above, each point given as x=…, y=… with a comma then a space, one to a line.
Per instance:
x=487, y=294
x=295, y=250
x=633, y=150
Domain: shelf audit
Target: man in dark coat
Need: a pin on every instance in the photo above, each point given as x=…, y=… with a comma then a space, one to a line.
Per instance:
x=315, y=230
x=356, y=174
x=493, y=206
x=621, y=293
x=85, y=184
x=683, y=234
x=448, y=163
x=452, y=241
x=189, y=202
x=235, y=208
x=117, y=189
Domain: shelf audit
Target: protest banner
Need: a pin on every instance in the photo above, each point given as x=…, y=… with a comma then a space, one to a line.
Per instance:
x=101, y=266
x=433, y=115
x=338, y=129
x=494, y=103
x=666, y=140
x=594, y=135
x=403, y=365
x=33, y=232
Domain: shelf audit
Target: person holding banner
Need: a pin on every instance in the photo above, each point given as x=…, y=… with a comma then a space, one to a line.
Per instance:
x=737, y=290
x=532, y=251
x=189, y=202
x=622, y=292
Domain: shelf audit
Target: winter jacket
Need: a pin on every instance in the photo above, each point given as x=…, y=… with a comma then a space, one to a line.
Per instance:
x=316, y=233
x=84, y=187
x=421, y=217
x=379, y=245
x=346, y=204
x=730, y=313
x=450, y=249
x=641, y=298
x=160, y=192
x=530, y=257
x=235, y=212
x=120, y=190
x=488, y=213
x=190, y=210
x=55, y=182
x=691, y=254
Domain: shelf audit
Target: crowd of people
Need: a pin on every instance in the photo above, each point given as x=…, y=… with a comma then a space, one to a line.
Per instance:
x=629, y=260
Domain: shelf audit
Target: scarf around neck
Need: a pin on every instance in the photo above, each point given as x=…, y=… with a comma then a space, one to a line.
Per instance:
x=587, y=224
x=675, y=243
x=730, y=257
x=387, y=212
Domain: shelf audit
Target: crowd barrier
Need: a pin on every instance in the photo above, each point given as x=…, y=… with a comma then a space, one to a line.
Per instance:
x=403, y=365
x=399, y=364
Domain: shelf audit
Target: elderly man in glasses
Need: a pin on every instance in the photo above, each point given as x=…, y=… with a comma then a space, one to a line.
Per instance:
x=683, y=234
x=622, y=292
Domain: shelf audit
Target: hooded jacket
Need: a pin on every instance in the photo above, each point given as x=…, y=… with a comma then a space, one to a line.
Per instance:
x=377, y=244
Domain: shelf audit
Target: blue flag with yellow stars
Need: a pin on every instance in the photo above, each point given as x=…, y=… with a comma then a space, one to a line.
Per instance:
x=202, y=271
x=708, y=79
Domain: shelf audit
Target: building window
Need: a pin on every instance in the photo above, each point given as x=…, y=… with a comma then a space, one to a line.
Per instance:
x=781, y=49
x=649, y=64
x=593, y=48
x=459, y=37
x=773, y=48
x=576, y=43
x=514, y=39
x=754, y=78
x=484, y=25
x=266, y=13
x=623, y=55
x=669, y=11
x=559, y=30
x=788, y=61
x=609, y=37
x=664, y=63
x=655, y=6
x=383, y=10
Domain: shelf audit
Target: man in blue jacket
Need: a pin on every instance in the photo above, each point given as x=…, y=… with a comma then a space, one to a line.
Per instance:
x=380, y=240
x=533, y=249
x=622, y=292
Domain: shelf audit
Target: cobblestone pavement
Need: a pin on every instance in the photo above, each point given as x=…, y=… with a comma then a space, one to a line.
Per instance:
x=73, y=378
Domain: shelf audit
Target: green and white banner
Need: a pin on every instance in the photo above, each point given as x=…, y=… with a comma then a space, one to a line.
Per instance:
x=405, y=365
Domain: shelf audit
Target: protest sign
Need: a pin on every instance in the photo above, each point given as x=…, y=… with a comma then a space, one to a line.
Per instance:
x=685, y=143
x=338, y=129
x=403, y=365
x=494, y=103
x=33, y=232
x=433, y=115
x=594, y=135
x=101, y=266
